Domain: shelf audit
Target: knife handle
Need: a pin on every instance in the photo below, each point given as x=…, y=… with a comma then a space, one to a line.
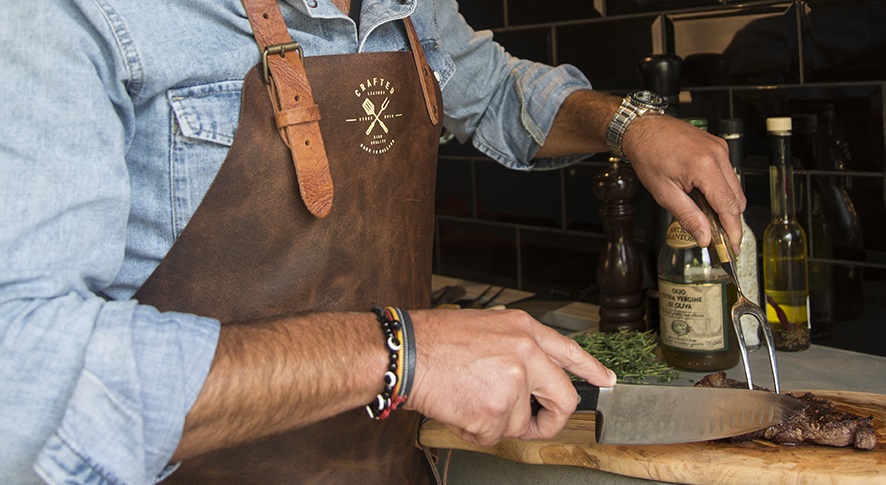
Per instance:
x=588, y=393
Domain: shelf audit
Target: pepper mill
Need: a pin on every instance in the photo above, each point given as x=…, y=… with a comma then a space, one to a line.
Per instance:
x=619, y=270
x=663, y=74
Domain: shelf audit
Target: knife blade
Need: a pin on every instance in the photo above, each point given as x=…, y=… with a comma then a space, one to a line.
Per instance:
x=645, y=414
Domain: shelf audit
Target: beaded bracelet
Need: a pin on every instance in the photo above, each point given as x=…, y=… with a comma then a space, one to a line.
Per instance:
x=397, y=328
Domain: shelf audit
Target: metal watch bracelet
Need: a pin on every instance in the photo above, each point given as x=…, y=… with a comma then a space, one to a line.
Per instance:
x=634, y=105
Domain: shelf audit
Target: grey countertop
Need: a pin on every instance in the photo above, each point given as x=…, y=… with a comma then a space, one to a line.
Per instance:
x=819, y=367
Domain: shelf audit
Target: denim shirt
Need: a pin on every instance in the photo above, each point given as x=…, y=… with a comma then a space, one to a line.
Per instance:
x=115, y=116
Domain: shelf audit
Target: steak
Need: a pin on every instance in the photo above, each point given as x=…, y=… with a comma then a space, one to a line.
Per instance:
x=820, y=423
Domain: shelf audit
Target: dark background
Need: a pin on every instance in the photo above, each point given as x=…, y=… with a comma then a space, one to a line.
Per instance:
x=542, y=232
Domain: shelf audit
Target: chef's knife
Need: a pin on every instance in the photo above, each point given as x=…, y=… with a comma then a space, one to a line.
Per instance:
x=645, y=414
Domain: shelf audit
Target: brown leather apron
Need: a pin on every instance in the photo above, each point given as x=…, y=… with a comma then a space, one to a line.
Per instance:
x=253, y=249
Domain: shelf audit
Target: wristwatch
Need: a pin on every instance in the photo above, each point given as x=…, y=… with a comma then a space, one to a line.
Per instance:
x=634, y=105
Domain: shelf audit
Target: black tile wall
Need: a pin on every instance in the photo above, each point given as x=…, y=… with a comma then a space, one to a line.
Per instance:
x=534, y=44
x=483, y=14
x=626, y=7
x=542, y=231
x=518, y=197
x=522, y=12
x=582, y=207
x=477, y=251
x=456, y=179
x=755, y=45
x=607, y=51
x=559, y=263
x=713, y=105
x=858, y=109
x=450, y=147
x=846, y=40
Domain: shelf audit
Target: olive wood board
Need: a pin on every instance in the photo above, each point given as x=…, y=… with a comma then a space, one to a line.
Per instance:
x=709, y=462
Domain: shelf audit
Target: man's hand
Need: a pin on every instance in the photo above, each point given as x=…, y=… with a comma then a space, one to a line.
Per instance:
x=477, y=369
x=671, y=157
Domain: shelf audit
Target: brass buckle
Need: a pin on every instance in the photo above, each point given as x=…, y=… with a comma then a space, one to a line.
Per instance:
x=281, y=50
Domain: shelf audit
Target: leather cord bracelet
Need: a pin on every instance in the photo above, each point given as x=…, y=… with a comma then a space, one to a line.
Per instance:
x=397, y=329
x=408, y=370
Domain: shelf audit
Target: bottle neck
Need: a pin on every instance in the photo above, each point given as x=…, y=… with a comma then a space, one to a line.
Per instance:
x=781, y=174
x=736, y=151
x=832, y=149
x=805, y=150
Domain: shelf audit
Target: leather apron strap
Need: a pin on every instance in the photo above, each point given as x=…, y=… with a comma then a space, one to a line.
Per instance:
x=295, y=112
x=254, y=250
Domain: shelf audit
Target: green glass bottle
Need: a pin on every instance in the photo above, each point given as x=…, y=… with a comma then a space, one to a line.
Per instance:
x=843, y=222
x=811, y=217
x=785, y=260
x=695, y=299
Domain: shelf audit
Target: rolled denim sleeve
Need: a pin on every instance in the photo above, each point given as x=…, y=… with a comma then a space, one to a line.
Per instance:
x=504, y=105
x=93, y=391
x=125, y=416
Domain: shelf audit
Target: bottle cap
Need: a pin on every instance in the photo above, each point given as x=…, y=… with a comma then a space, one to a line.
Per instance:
x=781, y=124
x=732, y=126
x=698, y=122
x=827, y=112
x=661, y=73
x=807, y=123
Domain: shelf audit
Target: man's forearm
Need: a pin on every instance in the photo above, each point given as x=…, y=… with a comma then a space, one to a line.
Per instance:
x=580, y=125
x=275, y=375
x=475, y=371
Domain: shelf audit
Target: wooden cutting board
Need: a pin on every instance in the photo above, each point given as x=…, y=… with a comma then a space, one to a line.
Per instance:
x=700, y=463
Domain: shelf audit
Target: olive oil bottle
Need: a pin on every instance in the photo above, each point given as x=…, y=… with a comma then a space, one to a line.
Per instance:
x=785, y=261
x=696, y=331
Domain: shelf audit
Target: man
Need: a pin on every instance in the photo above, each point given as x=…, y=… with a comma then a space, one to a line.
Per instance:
x=144, y=203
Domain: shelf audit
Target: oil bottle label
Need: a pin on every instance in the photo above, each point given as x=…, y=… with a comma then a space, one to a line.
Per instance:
x=691, y=316
x=677, y=237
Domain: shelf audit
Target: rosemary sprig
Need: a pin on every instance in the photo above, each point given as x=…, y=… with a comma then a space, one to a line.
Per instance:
x=631, y=354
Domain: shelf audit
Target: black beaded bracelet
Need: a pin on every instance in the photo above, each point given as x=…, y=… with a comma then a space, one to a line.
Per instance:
x=397, y=329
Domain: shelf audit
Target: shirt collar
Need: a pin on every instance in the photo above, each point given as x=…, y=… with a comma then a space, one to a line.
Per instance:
x=381, y=8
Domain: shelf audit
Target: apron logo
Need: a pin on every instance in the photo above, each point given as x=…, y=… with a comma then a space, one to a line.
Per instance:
x=376, y=94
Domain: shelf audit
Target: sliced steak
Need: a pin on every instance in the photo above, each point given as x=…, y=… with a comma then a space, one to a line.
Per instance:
x=820, y=423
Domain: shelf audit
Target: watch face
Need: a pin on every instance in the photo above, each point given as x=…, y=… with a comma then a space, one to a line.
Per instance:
x=649, y=100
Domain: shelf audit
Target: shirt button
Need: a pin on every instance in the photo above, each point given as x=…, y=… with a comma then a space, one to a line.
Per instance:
x=437, y=75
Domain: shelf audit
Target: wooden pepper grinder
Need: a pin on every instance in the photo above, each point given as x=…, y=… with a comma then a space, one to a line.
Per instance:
x=619, y=270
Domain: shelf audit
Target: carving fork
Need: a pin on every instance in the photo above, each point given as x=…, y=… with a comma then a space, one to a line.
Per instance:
x=723, y=256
